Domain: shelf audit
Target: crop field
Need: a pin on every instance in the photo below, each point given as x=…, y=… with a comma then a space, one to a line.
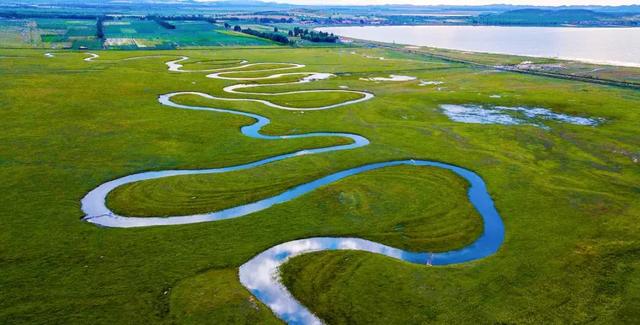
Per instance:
x=17, y=33
x=568, y=194
x=125, y=34
x=48, y=33
x=75, y=34
x=186, y=34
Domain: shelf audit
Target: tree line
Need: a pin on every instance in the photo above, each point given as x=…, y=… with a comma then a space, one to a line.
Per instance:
x=160, y=21
x=187, y=18
x=312, y=36
x=274, y=36
x=279, y=37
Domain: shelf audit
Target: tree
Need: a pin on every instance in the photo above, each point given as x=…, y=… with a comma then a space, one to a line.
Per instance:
x=227, y=26
x=237, y=28
x=276, y=37
x=100, y=28
x=160, y=21
x=316, y=37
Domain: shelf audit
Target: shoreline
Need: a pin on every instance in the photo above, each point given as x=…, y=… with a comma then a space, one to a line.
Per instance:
x=616, y=63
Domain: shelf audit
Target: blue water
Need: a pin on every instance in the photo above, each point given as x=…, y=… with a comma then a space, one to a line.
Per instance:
x=615, y=46
x=96, y=210
x=259, y=275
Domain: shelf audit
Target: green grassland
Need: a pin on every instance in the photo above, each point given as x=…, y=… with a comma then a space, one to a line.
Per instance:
x=569, y=196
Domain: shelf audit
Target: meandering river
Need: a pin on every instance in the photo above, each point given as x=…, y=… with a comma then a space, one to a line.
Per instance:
x=259, y=275
x=616, y=46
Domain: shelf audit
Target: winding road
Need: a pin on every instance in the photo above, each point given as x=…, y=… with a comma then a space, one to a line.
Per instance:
x=259, y=275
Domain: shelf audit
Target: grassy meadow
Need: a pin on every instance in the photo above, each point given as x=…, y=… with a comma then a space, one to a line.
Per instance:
x=569, y=196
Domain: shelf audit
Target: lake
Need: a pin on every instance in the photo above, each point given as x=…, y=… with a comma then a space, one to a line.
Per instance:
x=617, y=46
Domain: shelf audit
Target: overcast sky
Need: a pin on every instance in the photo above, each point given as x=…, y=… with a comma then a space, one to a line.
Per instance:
x=466, y=2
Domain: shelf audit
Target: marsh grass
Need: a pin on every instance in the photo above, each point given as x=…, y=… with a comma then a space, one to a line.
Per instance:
x=569, y=196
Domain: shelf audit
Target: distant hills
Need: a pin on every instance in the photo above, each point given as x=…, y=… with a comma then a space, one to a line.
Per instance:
x=267, y=5
x=500, y=14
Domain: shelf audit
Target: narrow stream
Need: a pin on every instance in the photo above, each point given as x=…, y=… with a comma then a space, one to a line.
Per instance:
x=259, y=275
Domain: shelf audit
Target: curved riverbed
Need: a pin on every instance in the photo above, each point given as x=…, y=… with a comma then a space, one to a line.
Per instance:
x=259, y=275
x=96, y=210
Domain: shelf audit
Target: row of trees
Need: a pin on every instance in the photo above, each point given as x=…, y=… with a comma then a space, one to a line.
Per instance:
x=188, y=18
x=160, y=21
x=312, y=36
x=274, y=36
x=298, y=32
x=266, y=20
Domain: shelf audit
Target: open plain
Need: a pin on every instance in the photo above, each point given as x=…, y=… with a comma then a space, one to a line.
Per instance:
x=567, y=194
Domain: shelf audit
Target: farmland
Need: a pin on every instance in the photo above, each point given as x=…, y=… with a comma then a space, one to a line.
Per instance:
x=123, y=34
x=147, y=34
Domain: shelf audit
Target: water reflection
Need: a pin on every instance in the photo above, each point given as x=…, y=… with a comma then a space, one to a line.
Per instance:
x=536, y=116
x=94, y=203
x=260, y=274
x=392, y=77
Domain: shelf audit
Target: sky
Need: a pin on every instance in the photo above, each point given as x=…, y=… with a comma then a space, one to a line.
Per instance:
x=466, y=2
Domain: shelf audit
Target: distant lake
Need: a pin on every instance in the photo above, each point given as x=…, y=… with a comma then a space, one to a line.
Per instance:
x=618, y=46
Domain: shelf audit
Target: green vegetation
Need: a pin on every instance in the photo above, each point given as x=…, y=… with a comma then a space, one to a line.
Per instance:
x=67, y=33
x=269, y=14
x=16, y=33
x=121, y=33
x=545, y=17
x=628, y=76
x=163, y=23
x=148, y=33
x=48, y=33
x=316, y=37
x=569, y=196
x=221, y=293
x=271, y=35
